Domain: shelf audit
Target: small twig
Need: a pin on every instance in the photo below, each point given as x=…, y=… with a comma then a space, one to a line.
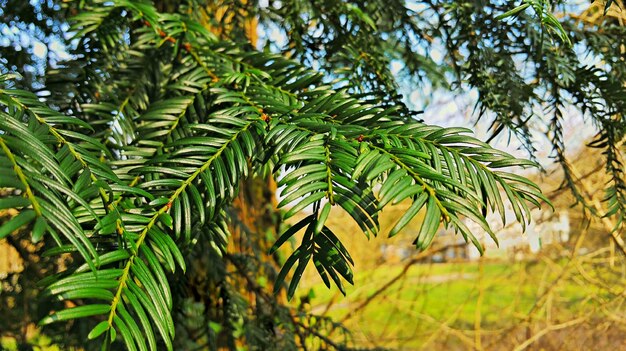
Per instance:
x=444, y=327
x=540, y=300
x=393, y=280
x=479, y=301
x=608, y=223
x=549, y=329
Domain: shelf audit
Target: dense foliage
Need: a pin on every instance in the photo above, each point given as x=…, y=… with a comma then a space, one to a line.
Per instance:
x=127, y=157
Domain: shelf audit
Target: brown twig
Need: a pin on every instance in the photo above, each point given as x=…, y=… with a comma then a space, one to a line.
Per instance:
x=549, y=329
x=393, y=280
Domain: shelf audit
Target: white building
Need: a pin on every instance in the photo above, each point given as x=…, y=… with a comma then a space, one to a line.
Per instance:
x=546, y=228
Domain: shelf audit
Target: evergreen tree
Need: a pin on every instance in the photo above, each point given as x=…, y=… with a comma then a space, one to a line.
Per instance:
x=126, y=159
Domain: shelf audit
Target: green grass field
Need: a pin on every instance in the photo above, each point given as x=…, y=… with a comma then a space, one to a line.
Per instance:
x=442, y=303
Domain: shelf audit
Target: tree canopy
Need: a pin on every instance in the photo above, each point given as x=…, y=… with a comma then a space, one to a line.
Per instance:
x=128, y=154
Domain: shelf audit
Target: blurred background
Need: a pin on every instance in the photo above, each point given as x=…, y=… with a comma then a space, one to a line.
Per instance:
x=557, y=284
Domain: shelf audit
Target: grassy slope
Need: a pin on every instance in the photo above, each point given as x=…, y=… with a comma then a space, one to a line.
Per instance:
x=436, y=305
